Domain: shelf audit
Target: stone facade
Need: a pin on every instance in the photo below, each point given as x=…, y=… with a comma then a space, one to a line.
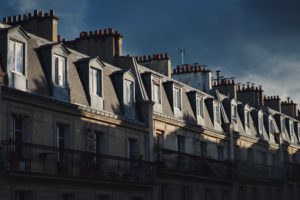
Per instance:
x=131, y=131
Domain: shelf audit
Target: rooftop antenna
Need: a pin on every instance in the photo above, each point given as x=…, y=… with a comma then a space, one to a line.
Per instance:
x=182, y=52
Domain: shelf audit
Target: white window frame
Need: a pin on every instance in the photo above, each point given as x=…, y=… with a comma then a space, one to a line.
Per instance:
x=247, y=118
x=13, y=58
x=271, y=127
x=199, y=106
x=234, y=112
x=177, y=101
x=217, y=112
x=156, y=94
x=129, y=92
x=60, y=71
x=283, y=127
x=96, y=86
x=260, y=124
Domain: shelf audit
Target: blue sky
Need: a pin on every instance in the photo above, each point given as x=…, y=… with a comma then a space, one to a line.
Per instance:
x=253, y=40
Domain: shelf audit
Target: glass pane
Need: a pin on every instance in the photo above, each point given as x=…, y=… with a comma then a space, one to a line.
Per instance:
x=56, y=70
x=19, y=57
x=11, y=55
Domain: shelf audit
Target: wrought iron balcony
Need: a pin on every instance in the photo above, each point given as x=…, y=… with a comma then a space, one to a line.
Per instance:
x=29, y=159
x=192, y=164
x=245, y=169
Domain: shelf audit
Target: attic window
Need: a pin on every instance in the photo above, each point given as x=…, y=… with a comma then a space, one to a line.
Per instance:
x=96, y=81
x=292, y=129
x=271, y=128
x=260, y=124
x=282, y=125
x=177, y=98
x=199, y=105
x=129, y=92
x=16, y=56
x=247, y=118
x=217, y=117
x=60, y=70
x=234, y=113
x=156, y=92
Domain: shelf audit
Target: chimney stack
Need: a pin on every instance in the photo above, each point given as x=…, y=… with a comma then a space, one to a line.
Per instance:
x=160, y=63
x=252, y=95
x=225, y=86
x=106, y=43
x=289, y=108
x=273, y=102
x=38, y=23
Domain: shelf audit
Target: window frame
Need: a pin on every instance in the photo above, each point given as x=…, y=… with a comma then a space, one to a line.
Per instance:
x=177, y=93
x=199, y=106
x=10, y=40
x=57, y=70
x=156, y=83
x=99, y=81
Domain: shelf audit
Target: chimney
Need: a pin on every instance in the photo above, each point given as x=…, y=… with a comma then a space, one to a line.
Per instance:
x=160, y=63
x=38, y=23
x=197, y=76
x=226, y=86
x=273, y=102
x=289, y=108
x=105, y=43
x=252, y=95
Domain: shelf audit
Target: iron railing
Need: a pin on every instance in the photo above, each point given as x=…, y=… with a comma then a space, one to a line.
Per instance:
x=192, y=164
x=254, y=170
x=49, y=160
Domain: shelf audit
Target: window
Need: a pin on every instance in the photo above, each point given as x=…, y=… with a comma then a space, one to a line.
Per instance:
x=260, y=124
x=180, y=143
x=292, y=130
x=177, y=98
x=217, y=113
x=209, y=194
x=23, y=195
x=129, y=93
x=271, y=128
x=96, y=81
x=103, y=197
x=234, y=113
x=17, y=134
x=199, y=105
x=61, y=140
x=247, y=118
x=203, y=149
x=67, y=196
x=264, y=160
x=156, y=93
x=249, y=155
x=132, y=148
x=60, y=70
x=220, y=153
x=98, y=142
x=282, y=125
x=16, y=56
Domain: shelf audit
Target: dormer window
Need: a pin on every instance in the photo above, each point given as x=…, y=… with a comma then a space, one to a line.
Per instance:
x=234, y=113
x=199, y=105
x=156, y=97
x=60, y=70
x=177, y=98
x=217, y=116
x=96, y=81
x=16, y=56
x=282, y=125
x=260, y=124
x=128, y=92
x=247, y=118
x=292, y=132
x=271, y=128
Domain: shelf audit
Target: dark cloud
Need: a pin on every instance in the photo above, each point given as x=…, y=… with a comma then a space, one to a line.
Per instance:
x=254, y=40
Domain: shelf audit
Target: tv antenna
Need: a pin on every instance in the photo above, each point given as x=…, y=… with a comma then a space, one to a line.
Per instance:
x=181, y=52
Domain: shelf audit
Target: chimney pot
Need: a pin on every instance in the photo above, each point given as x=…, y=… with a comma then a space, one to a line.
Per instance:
x=35, y=12
x=51, y=12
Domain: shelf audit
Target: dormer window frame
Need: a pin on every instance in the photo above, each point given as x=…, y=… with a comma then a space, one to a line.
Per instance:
x=58, y=70
x=200, y=106
x=234, y=114
x=271, y=126
x=260, y=123
x=247, y=118
x=217, y=112
x=156, y=82
x=126, y=92
x=177, y=103
x=282, y=125
x=15, y=56
x=99, y=83
x=292, y=130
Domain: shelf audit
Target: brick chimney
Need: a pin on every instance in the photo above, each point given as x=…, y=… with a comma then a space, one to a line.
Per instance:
x=105, y=43
x=42, y=24
x=250, y=94
x=273, y=102
x=289, y=108
x=226, y=86
x=160, y=63
x=197, y=76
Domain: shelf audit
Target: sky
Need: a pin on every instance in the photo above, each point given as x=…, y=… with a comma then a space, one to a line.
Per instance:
x=255, y=41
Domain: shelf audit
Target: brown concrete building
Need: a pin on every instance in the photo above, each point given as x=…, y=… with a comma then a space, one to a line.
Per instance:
x=78, y=120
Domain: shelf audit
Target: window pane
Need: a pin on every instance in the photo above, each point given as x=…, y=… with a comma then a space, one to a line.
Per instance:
x=56, y=70
x=11, y=55
x=19, y=57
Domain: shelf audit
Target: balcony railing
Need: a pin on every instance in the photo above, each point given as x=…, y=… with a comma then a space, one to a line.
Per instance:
x=253, y=170
x=47, y=160
x=192, y=164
